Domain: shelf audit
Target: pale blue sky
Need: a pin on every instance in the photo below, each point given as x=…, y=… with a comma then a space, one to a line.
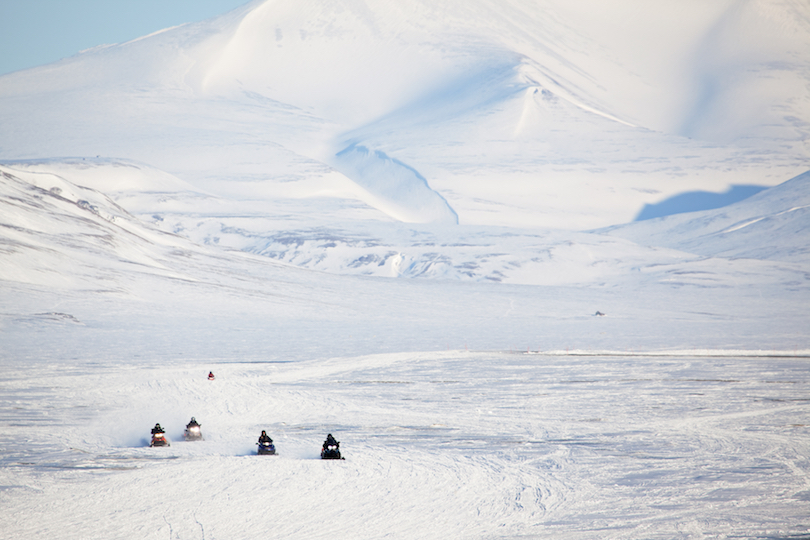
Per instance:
x=37, y=32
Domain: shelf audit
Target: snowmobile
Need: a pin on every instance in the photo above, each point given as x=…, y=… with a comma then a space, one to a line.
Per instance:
x=192, y=432
x=331, y=448
x=159, y=439
x=266, y=449
x=330, y=451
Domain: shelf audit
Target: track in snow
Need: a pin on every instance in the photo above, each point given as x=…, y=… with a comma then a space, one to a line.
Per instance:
x=437, y=445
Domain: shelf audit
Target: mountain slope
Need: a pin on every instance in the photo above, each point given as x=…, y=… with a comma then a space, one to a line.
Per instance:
x=474, y=179
x=771, y=225
x=58, y=234
x=509, y=111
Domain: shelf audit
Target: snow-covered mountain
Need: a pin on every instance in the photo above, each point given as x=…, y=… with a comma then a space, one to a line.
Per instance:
x=508, y=111
x=477, y=141
x=770, y=225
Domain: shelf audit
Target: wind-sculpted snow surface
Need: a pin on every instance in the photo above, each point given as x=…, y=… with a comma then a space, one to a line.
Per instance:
x=394, y=188
x=437, y=445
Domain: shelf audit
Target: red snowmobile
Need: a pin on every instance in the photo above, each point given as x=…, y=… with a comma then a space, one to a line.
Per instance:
x=159, y=437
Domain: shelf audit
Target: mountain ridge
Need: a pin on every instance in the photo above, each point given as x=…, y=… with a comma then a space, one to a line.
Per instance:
x=501, y=114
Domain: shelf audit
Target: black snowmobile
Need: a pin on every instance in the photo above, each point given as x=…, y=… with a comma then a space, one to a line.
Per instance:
x=266, y=446
x=267, y=449
x=331, y=448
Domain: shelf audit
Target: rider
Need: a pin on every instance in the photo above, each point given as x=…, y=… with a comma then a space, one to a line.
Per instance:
x=157, y=429
x=264, y=438
x=330, y=441
x=193, y=423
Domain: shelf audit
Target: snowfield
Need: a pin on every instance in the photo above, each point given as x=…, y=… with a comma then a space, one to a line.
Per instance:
x=437, y=445
x=421, y=227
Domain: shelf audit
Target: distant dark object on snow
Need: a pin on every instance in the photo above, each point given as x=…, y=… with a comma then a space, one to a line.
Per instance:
x=695, y=201
x=599, y=314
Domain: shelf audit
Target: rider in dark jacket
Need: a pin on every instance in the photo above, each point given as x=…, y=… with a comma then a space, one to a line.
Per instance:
x=264, y=438
x=330, y=441
x=157, y=429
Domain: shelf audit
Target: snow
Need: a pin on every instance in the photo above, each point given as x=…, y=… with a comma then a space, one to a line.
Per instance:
x=440, y=444
x=763, y=226
x=412, y=225
x=394, y=188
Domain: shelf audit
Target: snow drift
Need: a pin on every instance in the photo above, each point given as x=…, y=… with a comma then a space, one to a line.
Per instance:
x=397, y=189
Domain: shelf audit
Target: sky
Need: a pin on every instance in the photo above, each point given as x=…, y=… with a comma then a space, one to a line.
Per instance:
x=38, y=32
